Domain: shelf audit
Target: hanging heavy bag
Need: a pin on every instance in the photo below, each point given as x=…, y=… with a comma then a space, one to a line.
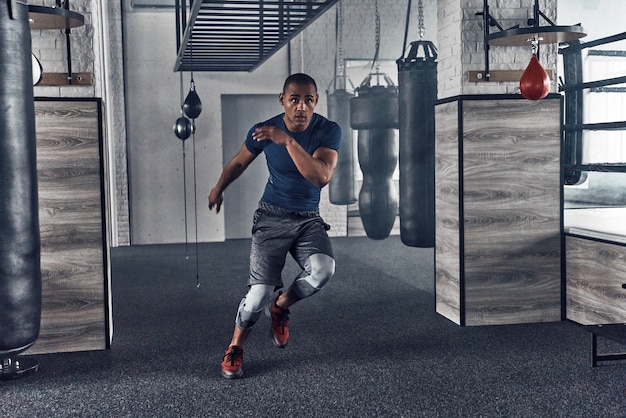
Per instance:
x=341, y=187
x=374, y=112
x=20, y=276
x=378, y=198
x=417, y=79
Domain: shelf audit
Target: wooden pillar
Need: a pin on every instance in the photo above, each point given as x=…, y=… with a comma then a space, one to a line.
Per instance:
x=498, y=209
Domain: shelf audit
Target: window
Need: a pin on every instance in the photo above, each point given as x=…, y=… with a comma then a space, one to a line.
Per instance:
x=604, y=104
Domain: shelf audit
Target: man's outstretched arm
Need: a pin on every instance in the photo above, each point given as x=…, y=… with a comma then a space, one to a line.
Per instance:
x=230, y=173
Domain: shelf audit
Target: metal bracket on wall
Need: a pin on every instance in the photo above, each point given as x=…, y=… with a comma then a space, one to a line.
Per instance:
x=63, y=79
x=517, y=36
x=500, y=75
x=43, y=18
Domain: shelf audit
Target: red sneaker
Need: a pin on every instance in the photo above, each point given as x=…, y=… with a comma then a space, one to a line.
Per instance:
x=280, y=325
x=233, y=362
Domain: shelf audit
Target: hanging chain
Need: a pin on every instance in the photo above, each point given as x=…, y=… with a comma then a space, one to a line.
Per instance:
x=375, y=62
x=377, y=11
x=340, y=63
x=420, y=19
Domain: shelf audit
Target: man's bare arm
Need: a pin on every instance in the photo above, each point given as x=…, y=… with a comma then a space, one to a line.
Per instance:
x=235, y=167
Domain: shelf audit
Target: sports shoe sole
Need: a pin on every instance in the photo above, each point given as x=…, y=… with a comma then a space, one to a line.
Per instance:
x=277, y=344
x=232, y=375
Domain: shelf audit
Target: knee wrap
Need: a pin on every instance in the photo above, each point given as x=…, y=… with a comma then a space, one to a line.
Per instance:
x=252, y=304
x=319, y=268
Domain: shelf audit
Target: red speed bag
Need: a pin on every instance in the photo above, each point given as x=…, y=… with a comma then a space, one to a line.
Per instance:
x=535, y=83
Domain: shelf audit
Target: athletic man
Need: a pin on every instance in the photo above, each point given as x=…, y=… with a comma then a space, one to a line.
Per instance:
x=301, y=151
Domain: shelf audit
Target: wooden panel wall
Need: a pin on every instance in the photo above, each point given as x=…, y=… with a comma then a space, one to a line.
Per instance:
x=510, y=213
x=447, y=236
x=595, y=274
x=73, y=255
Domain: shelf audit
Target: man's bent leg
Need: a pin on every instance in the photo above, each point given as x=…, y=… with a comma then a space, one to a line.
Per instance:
x=318, y=270
x=248, y=313
x=252, y=304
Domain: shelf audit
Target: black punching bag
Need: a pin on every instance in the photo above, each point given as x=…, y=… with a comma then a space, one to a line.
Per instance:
x=378, y=198
x=374, y=112
x=417, y=80
x=20, y=275
x=341, y=188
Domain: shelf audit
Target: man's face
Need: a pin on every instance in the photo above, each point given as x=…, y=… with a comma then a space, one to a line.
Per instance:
x=299, y=101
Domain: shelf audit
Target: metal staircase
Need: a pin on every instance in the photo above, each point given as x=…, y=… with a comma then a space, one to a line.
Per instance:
x=238, y=35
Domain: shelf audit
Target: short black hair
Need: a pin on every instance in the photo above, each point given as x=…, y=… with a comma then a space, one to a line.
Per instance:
x=301, y=79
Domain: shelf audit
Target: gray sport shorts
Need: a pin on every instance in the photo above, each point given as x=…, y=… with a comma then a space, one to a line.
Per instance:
x=276, y=232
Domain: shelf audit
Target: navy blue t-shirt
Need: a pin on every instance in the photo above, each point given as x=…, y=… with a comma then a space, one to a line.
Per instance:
x=286, y=187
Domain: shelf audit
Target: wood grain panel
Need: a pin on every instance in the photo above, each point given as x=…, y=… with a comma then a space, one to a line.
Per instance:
x=74, y=273
x=595, y=274
x=61, y=79
x=508, y=245
x=500, y=75
x=447, y=245
x=511, y=162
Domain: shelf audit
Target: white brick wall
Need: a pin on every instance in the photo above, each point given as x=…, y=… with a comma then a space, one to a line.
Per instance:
x=49, y=46
x=458, y=56
x=109, y=69
x=97, y=41
x=449, y=67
